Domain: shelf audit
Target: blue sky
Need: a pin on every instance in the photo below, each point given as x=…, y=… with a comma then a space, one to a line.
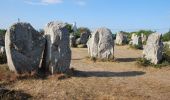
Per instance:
x=127, y=15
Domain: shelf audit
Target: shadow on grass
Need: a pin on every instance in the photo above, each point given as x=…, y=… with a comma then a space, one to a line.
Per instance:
x=77, y=59
x=126, y=59
x=6, y=94
x=107, y=74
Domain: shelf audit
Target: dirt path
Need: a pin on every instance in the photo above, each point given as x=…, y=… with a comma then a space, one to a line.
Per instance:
x=121, y=80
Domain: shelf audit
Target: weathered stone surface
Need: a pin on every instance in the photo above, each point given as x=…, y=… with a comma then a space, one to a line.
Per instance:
x=2, y=50
x=84, y=37
x=136, y=40
x=58, y=53
x=153, y=49
x=167, y=43
x=120, y=39
x=78, y=42
x=133, y=35
x=24, y=48
x=72, y=41
x=101, y=44
x=144, y=38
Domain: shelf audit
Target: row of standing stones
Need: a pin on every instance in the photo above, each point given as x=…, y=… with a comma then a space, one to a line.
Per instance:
x=27, y=50
x=153, y=49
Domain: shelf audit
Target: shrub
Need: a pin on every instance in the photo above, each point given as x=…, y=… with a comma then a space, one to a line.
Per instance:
x=166, y=53
x=81, y=30
x=165, y=60
x=143, y=62
x=166, y=37
x=69, y=27
x=145, y=32
x=2, y=32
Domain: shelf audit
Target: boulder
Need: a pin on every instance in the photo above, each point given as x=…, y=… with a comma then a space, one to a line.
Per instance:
x=84, y=37
x=137, y=40
x=24, y=48
x=2, y=50
x=101, y=44
x=154, y=48
x=57, y=52
x=167, y=44
x=121, y=39
x=144, y=38
x=78, y=42
x=72, y=41
x=3, y=59
x=133, y=35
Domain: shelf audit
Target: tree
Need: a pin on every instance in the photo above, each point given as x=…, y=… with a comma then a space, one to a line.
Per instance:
x=81, y=30
x=166, y=36
x=2, y=32
x=145, y=32
x=69, y=27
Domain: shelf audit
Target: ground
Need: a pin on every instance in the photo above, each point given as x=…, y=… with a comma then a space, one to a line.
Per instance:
x=119, y=80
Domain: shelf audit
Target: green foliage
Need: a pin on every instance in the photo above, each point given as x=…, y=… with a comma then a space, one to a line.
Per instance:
x=2, y=32
x=166, y=53
x=145, y=32
x=81, y=30
x=143, y=62
x=69, y=27
x=165, y=61
x=166, y=36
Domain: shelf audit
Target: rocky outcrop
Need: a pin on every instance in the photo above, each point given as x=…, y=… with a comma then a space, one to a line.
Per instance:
x=57, y=52
x=153, y=49
x=101, y=44
x=24, y=48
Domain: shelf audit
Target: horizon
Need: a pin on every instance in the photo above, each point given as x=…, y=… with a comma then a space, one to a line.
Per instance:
x=117, y=15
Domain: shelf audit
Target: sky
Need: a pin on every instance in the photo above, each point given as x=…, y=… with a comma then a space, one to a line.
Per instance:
x=117, y=15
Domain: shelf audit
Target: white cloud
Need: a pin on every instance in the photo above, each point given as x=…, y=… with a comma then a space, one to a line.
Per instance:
x=51, y=1
x=43, y=2
x=80, y=2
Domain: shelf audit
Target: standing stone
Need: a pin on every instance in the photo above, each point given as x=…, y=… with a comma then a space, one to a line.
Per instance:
x=101, y=44
x=133, y=35
x=137, y=40
x=58, y=53
x=84, y=37
x=121, y=39
x=72, y=41
x=24, y=48
x=2, y=50
x=144, y=38
x=78, y=42
x=74, y=27
x=167, y=44
x=153, y=49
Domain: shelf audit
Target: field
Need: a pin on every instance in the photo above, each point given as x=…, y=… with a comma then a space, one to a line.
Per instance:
x=119, y=80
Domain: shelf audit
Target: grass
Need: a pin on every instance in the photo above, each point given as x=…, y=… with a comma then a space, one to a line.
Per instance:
x=165, y=59
x=94, y=59
x=136, y=47
x=6, y=94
